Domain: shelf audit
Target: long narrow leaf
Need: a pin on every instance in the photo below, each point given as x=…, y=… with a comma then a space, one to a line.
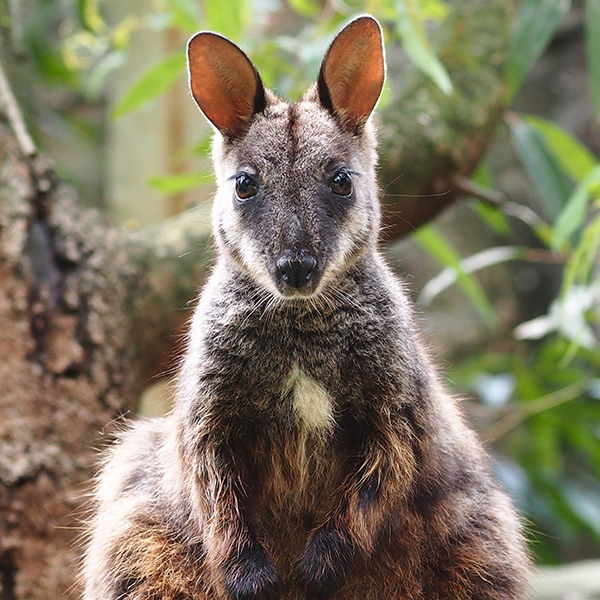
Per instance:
x=535, y=25
x=572, y=155
x=492, y=215
x=573, y=215
x=178, y=183
x=154, y=82
x=416, y=44
x=580, y=263
x=472, y=264
x=592, y=40
x=541, y=165
x=432, y=241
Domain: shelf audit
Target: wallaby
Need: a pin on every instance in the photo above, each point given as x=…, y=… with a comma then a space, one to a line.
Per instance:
x=312, y=451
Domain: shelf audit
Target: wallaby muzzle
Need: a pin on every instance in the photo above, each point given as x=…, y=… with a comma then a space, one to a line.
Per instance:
x=296, y=271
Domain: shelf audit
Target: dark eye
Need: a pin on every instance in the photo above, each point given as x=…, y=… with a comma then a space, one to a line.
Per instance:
x=245, y=187
x=341, y=184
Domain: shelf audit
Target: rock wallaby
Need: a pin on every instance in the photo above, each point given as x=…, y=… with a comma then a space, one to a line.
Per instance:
x=312, y=451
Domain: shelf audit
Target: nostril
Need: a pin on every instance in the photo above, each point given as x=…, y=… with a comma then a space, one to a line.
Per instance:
x=308, y=263
x=296, y=272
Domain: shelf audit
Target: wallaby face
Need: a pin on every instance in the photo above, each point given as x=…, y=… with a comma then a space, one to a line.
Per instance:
x=312, y=452
x=297, y=198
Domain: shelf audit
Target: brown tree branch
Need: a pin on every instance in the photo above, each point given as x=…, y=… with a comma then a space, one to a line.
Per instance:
x=427, y=138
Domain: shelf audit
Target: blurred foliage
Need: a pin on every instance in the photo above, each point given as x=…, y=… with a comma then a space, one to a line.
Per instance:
x=545, y=417
x=541, y=399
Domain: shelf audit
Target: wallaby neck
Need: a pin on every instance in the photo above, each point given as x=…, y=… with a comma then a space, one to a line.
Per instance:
x=248, y=341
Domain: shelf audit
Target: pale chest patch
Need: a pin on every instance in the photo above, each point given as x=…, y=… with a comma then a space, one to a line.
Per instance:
x=312, y=404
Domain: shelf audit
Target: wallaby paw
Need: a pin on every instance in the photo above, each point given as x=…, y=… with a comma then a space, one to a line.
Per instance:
x=325, y=564
x=251, y=575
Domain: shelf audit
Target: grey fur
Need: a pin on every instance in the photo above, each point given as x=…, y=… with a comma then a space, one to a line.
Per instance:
x=312, y=452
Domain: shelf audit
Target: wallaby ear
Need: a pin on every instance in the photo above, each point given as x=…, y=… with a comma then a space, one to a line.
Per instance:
x=224, y=83
x=353, y=72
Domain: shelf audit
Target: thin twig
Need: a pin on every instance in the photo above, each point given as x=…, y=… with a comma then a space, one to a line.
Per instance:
x=498, y=200
x=540, y=255
x=15, y=118
x=520, y=414
x=473, y=189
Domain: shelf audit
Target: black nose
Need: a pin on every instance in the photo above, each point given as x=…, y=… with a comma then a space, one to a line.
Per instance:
x=296, y=271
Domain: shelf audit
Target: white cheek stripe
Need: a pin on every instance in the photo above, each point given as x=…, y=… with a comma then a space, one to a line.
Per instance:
x=312, y=404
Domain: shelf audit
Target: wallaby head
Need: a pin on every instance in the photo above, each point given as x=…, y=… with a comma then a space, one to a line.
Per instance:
x=296, y=203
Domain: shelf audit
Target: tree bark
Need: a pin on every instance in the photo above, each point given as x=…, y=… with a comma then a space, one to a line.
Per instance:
x=428, y=141
x=86, y=309
x=84, y=314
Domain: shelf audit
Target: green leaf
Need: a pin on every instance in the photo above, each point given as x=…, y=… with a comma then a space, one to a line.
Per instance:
x=573, y=215
x=435, y=243
x=186, y=14
x=228, y=17
x=492, y=215
x=472, y=264
x=483, y=174
x=592, y=40
x=585, y=505
x=101, y=70
x=203, y=146
x=541, y=165
x=579, y=265
x=52, y=65
x=434, y=9
x=176, y=184
x=89, y=13
x=154, y=82
x=536, y=22
x=121, y=32
x=414, y=40
x=305, y=8
x=572, y=155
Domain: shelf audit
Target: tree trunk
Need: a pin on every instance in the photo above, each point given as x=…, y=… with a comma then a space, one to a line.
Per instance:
x=82, y=311
x=429, y=141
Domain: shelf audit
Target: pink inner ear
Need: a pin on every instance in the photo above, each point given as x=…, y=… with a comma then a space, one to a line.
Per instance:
x=223, y=81
x=354, y=70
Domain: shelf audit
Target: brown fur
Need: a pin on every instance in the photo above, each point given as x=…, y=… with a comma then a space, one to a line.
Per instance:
x=312, y=452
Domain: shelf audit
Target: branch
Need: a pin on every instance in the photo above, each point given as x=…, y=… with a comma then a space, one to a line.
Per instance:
x=499, y=200
x=516, y=416
x=173, y=259
x=15, y=117
x=427, y=138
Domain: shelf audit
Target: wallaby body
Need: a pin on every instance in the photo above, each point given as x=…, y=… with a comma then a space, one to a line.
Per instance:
x=312, y=452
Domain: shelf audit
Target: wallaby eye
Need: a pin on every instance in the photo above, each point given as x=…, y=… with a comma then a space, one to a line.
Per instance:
x=245, y=187
x=341, y=184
